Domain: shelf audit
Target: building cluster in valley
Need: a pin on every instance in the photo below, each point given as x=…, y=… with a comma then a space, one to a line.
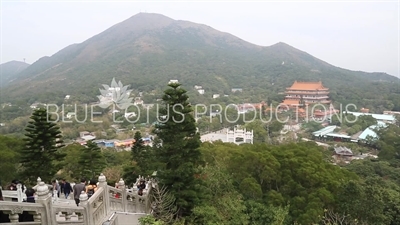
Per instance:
x=369, y=134
x=302, y=98
x=125, y=144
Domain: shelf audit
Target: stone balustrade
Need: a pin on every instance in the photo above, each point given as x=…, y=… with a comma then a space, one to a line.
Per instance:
x=97, y=209
x=18, y=194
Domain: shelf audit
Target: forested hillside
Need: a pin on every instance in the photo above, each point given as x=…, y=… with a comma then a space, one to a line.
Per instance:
x=222, y=183
x=265, y=184
x=147, y=50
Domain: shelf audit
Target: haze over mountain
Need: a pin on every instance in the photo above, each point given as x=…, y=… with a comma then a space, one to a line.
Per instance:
x=9, y=69
x=147, y=50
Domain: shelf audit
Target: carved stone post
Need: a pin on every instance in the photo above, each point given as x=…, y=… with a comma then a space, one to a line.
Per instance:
x=83, y=202
x=55, y=196
x=13, y=213
x=44, y=198
x=19, y=192
x=37, y=185
x=121, y=185
x=148, y=197
x=83, y=199
x=106, y=200
x=102, y=180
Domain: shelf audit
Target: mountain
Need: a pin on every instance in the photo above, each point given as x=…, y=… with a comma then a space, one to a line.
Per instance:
x=147, y=50
x=9, y=69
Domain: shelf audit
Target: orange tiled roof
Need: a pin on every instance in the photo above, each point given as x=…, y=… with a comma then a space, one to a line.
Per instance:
x=300, y=110
x=308, y=86
x=258, y=105
x=290, y=102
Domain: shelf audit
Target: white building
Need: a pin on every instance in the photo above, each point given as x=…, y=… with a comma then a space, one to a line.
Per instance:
x=216, y=95
x=37, y=105
x=70, y=115
x=237, y=136
x=130, y=115
x=173, y=81
x=201, y=91
x=236, y=90
x=240, y=136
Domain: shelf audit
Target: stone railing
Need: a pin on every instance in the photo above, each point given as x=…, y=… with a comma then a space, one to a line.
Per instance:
x=18, y=194
x=96, y=210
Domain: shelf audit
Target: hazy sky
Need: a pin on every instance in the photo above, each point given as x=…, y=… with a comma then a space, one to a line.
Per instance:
x=356, y=35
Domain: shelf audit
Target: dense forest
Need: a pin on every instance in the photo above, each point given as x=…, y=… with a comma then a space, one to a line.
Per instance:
x=265, y=184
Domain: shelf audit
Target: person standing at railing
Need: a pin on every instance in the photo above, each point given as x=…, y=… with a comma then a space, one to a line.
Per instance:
x=91, y=188
x=13, y=187
x=30, y=195
x=26, y=216
x=141, y=186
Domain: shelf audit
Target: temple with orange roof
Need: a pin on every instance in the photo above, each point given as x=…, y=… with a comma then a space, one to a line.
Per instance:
x=306, y=93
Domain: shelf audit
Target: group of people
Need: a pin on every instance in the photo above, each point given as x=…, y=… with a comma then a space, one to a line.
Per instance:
x=90, y=189
x=65, y=188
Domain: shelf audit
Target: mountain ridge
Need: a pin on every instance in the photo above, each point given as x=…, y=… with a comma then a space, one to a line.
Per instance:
x=146, y=50
x=8, y=70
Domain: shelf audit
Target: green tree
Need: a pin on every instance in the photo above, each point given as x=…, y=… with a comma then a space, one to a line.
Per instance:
x=9, y=149
x=41, y=153
x=139, y=153
x=70, y=165
x=229, y=208
x=91, y=161
x=179, y=152
x=142, y=160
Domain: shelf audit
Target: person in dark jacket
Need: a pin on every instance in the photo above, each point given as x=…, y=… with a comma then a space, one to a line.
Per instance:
x=66, y=188
x=141, y=186
x=30, y=197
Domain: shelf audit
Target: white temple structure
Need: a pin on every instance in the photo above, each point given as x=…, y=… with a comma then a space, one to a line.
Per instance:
x=235, y=135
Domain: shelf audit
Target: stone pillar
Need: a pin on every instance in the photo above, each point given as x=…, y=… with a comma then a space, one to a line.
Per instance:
x=83, y=199
x=121, y=185
x=19, y=192
x=55, y=196
x=37, y=185
x=44, y=198
x=148, y=197
x=83, y=202
x=106, y=200
x=102, y=180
